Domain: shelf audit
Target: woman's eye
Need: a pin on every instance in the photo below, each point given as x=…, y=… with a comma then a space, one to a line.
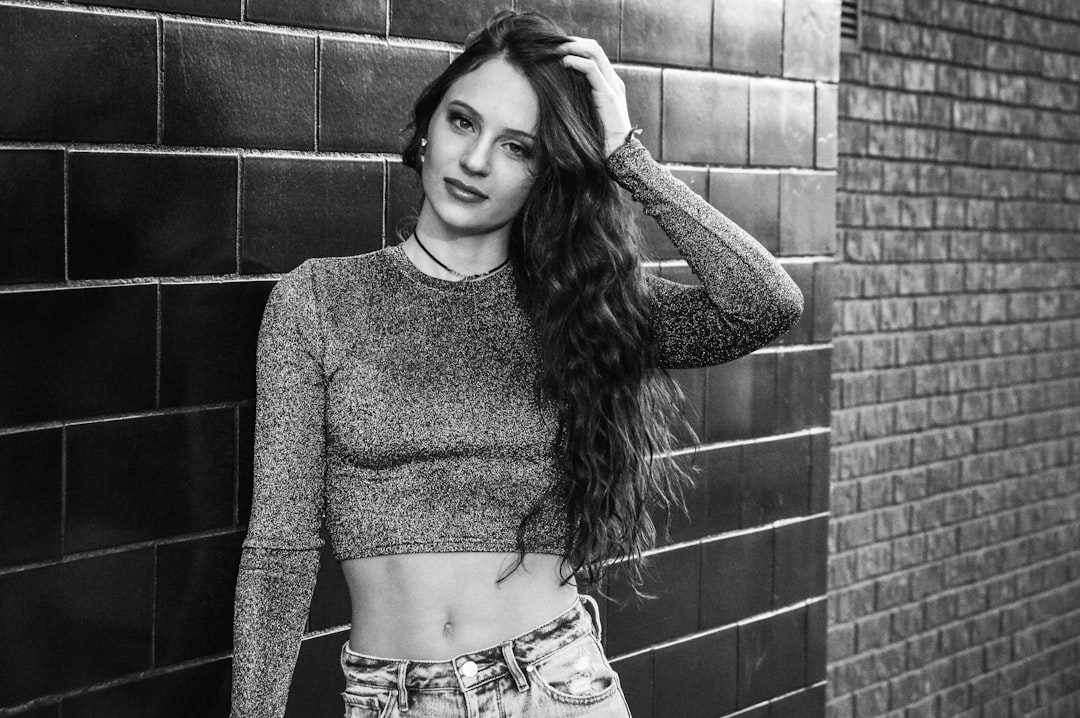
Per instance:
x=518, y=150
x=461, y=122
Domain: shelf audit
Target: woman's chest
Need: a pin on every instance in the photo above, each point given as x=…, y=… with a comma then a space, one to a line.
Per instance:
x=407, y=385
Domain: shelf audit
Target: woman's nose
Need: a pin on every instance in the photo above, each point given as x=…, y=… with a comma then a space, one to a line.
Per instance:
x=475, y=158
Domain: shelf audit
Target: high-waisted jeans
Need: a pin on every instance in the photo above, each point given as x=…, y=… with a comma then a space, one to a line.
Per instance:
x=557, y=669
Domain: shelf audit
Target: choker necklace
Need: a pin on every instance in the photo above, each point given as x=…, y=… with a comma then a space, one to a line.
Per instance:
x=462, y=277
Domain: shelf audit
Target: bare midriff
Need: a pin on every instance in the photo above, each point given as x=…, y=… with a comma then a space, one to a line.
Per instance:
x=434, y=606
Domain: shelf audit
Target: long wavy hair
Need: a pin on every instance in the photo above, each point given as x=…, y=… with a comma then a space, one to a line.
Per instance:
x=579, y=254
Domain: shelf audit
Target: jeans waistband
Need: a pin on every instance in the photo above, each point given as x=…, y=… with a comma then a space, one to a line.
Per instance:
x=475, y=668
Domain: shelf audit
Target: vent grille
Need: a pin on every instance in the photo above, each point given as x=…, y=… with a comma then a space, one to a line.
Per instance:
x=849, y=26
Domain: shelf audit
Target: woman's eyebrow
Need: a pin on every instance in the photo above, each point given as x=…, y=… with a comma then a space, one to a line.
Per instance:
x=476, y=113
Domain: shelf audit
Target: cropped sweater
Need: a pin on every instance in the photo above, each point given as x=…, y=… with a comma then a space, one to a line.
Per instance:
x=398, y=409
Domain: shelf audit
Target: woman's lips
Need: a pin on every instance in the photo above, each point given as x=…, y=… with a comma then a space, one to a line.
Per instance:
x=464, y=192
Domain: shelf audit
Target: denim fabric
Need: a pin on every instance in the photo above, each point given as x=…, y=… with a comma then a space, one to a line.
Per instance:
x=557, y=669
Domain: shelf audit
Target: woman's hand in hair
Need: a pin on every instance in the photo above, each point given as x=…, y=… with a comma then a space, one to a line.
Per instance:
x=608, y=91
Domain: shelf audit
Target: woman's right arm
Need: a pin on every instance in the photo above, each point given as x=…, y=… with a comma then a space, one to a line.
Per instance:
x=280, y=556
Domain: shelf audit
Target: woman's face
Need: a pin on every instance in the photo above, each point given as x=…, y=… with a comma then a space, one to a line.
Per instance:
x=479, y=161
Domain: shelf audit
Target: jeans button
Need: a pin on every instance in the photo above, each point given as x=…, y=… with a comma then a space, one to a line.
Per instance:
x=468, y=669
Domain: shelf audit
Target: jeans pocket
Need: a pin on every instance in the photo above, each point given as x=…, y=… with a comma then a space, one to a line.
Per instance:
x=363, y=702
x=576, y=674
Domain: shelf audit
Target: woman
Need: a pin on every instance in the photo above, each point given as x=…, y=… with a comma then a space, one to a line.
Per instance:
x=478, y=414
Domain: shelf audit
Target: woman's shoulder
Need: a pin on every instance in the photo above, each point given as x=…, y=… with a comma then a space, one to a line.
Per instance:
x=331, y=272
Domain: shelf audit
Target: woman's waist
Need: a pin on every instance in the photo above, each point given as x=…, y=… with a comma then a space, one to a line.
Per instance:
x=433, y=606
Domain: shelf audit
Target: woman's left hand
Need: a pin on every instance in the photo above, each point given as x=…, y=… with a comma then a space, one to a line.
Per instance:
x=608, y=91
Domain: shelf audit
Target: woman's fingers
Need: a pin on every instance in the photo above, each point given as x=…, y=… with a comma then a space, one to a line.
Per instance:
x=590, y=69
x=608, y=91
x=591, y=49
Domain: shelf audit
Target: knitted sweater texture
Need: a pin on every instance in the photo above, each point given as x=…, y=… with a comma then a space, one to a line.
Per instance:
x=397, y=410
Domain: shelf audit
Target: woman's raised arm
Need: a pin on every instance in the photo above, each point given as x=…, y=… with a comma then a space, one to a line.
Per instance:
x=746, y=298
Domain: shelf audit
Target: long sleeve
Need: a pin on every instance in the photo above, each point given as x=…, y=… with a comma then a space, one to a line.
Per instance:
x=280, y=557
x=746, y=299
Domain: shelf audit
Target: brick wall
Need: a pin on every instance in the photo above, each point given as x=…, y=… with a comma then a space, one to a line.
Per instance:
x=954, y=570
x=158, y=171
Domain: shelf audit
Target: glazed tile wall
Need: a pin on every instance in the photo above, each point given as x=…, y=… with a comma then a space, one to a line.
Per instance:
x=163, y=162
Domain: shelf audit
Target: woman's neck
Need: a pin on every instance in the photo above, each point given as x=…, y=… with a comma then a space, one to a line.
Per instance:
x=456, y=257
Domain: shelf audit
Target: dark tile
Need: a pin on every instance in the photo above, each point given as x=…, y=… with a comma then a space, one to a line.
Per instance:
x=807, y=703
x=300, y=208
x=317, y=681
x=673, y=525
x=799, y=565
x=352, y=16
x=202, y=690
x=736, y=577
x=330, y=603
x=751, y=199
x=825, y=112
x=807, y=213
x=97, y=610
x=775, y=480
x=30, y=484
x=747, y=36
x=32, y=215
x=636, y=679
x=368, y=90
x=819, y=472
x=803, y=331
x=208, y=338
x=441, y=19
x=596, y=19
x=739, y=398
x=76, y=352
x=49, y=711
x=772, y=655
x=669, y=32
x=694, y=679
x=823, y=300
x=226, y=9
x=705, y=117
x=802, y=389
x=816, y=641
x=713, y=501
x=151, y=215
x=673, y=578
x=781, y=122
x=265, y=99
x=97, y=85
x=812, y=39
x=404, y=196
x=193, y=605
x=150, y=477
x=721, y=468
x=245, y=463
x=643, y=100
x=692, y=384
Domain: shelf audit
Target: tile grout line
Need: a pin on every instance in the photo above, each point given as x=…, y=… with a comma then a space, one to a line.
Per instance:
x=67, y=214
x=157, y=345
x=318, y=92
x=160, y=129
x=239, y=211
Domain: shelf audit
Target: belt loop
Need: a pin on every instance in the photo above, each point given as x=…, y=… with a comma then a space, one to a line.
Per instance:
x=515, y=669
x=403, y=693
x=594, y=612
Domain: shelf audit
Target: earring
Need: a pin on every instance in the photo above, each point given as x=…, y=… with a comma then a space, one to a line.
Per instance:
x=423, y=147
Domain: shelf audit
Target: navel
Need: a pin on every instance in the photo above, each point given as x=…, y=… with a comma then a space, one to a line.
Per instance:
x=448, y=629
